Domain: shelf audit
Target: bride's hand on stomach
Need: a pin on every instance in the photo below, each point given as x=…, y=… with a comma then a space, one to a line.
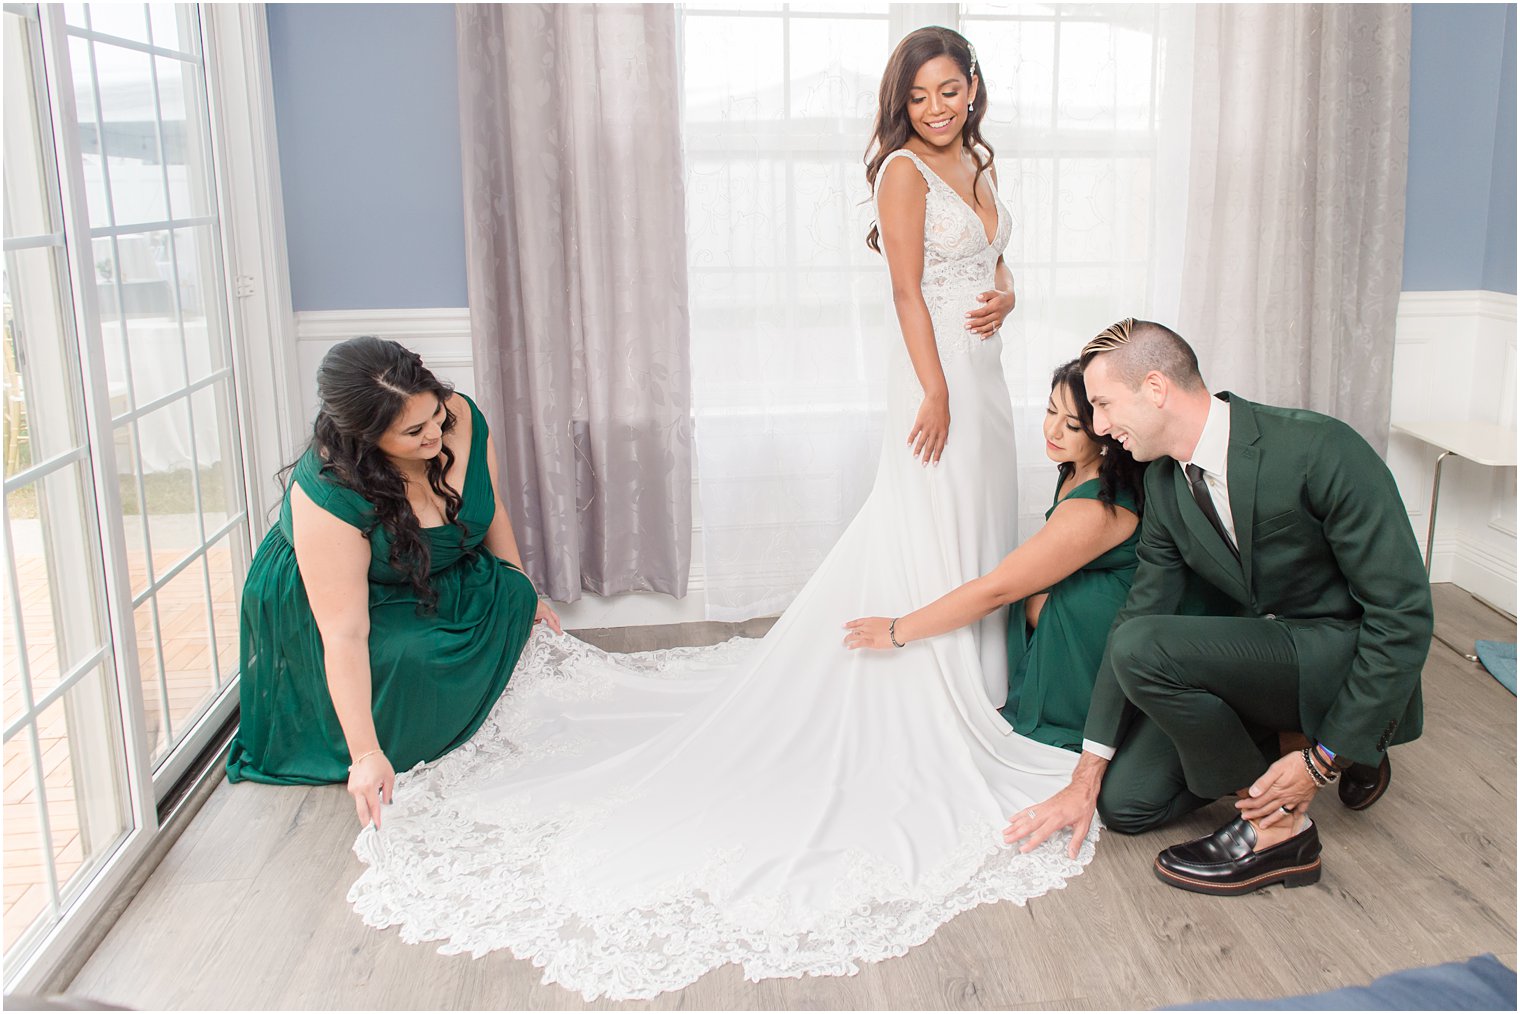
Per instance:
x=869, y=632
x=995, y=306
x=931, y=428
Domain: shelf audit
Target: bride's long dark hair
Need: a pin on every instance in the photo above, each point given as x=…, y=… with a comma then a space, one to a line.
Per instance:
x=1117, y=469
x=363, y=384
x=893, y=128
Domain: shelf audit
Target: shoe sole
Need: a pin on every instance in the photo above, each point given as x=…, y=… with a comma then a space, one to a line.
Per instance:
x=1377, y=793
x=1292, y=876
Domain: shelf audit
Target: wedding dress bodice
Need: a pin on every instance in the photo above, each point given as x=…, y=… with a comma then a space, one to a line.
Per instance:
x=959, y=262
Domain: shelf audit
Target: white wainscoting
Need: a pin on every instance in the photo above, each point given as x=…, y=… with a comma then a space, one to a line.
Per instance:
x=1454, y=359
x=442, y=337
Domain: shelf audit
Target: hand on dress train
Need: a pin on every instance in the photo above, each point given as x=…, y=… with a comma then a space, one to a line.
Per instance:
x=371, y=781
x=1073, y=807
x=931, y=428
x=547, y=615
x=987, y=318
x=869, y=632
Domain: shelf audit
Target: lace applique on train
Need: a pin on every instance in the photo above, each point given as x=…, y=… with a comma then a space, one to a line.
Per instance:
x=959, y=263
x=481, y=878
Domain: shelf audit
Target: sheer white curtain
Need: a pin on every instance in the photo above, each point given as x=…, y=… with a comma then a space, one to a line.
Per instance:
x=790, y=313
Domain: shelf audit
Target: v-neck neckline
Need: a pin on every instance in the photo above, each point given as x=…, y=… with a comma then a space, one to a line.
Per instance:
x=997, y=212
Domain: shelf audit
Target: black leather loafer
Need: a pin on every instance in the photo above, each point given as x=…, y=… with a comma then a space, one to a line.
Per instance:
x=1225, y=862
x=1361, y=785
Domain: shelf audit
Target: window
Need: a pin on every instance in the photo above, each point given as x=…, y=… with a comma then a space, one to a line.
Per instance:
x=127, y=520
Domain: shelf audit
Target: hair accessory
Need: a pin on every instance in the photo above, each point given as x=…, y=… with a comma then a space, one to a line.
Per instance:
x=972, y=50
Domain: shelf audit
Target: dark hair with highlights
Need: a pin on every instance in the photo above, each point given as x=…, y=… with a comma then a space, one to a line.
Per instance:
x=893, y=128
x=363, y=385
x=1117, y=468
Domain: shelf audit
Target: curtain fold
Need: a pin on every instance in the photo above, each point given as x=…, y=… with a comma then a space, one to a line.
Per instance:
x=573, y=188
x=1295, y=222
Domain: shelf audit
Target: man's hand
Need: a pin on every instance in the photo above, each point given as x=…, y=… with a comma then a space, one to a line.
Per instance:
x=1073, y=807
x=1286, y=784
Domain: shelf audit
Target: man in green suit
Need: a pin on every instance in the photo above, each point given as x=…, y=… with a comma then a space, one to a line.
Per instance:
x=1294, y=523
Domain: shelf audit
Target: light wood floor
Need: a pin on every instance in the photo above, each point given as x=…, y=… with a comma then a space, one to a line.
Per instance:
x=248, y=911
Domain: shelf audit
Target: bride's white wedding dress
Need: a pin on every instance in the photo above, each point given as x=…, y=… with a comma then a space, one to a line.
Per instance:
x=631, y=822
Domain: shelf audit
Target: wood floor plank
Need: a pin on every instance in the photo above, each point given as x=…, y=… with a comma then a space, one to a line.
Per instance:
x=253, y=899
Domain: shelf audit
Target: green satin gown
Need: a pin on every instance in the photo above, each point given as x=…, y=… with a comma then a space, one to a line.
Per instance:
x=1051, y=669
x=435, y=677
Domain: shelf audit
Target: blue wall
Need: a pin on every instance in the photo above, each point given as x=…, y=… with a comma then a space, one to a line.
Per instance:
x=367, y=111
x=1459, y=230
x=368, y=117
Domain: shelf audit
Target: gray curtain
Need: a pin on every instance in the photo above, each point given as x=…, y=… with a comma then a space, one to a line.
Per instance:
x=1295, y=230
x=577, y=278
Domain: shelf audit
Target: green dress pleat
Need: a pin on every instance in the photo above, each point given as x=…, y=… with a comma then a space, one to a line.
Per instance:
x=1052, y=667
x=435, y=676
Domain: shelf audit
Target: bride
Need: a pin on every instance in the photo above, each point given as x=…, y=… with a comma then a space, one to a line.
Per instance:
x=631, y=822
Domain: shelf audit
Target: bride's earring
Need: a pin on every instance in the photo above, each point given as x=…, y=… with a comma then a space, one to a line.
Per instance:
x=970, y=107
x=1103, y=452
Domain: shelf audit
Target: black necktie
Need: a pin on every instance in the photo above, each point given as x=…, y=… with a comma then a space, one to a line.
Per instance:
x=1205, y=501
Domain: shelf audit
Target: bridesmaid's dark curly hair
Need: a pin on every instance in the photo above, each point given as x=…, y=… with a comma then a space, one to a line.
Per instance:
x=893, y=127
x=363, y=385
x=1117, y=469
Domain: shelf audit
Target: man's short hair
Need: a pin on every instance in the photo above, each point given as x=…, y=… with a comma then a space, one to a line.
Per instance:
x=1133, y=348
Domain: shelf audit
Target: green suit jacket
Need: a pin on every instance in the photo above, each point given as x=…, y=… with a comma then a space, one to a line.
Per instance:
x=1326, y=549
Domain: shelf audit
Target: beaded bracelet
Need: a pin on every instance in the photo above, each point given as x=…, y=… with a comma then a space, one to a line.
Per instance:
x=361, y=757
x=1321, y=779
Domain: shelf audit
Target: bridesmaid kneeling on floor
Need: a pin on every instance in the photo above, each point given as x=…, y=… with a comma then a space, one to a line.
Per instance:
x=1064, y=586
x=383, y=615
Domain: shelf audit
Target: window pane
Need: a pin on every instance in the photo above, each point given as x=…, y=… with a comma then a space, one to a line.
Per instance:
x=154, y=720
x=733, y=71
x=41, y=378
x=84, y=774
x=26, y=890
x=188, y=647
x=198, y=259
x=129, y=134
x=56, y=570
x=166, y=460
x=836, y=67
x=134, y=522
x=227, y=560
x=124, y=21
x=27, y=209
x=174, y=26
x=91, y=149
x=187, y=151
x=216, y=456
x=146, y=292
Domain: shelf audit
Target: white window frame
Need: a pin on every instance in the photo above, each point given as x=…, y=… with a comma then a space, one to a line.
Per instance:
x=245, y=153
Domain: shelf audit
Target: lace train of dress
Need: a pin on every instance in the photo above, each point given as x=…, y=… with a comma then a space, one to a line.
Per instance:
x=631, y=822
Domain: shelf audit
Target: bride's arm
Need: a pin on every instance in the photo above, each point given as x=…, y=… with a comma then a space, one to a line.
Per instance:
x=1078, y=532
x=900, y=209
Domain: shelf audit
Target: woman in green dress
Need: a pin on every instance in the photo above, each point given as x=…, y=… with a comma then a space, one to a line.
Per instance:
x=1064, y=586
x=383, y=615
